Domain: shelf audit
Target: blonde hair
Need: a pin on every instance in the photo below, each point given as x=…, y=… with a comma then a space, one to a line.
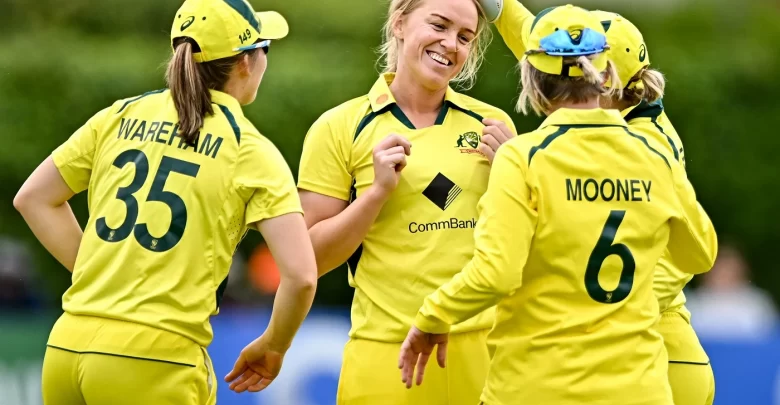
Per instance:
x=190, y=82
x=388, y=51
x=541, y=90
x=650, y=86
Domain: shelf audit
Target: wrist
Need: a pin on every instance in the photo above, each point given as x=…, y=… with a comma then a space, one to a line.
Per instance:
x=273, y=344
x=377, y=194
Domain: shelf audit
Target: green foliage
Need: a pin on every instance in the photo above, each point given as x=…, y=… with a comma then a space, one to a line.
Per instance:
x=61, y=62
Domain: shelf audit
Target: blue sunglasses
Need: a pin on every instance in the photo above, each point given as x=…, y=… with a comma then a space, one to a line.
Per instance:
x=576, y=43
x=264, y=45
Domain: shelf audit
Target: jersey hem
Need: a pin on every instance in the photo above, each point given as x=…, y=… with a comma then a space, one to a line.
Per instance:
x=60, y=164
x=273, y=213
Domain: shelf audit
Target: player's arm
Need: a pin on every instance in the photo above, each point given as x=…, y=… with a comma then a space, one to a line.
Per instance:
x=273, y=208
x=288, y=241
x=43, y=202
x=503, y=238
x=511, y=16
x=668, y=282
x=43, y=198
x=337, y=227
x=693, y=242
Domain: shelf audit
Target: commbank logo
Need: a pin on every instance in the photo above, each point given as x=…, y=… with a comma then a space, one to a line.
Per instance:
x=442, y=191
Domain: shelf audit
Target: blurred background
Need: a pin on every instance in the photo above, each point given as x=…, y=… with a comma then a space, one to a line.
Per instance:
x=62, y=61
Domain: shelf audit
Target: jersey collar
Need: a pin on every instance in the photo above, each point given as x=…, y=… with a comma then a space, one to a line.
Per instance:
x=381, y=97
x=595, y=117
x=218, y=97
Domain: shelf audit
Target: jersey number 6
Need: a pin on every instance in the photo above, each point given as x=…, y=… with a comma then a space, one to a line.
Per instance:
x=605, y=248
x=172, y=200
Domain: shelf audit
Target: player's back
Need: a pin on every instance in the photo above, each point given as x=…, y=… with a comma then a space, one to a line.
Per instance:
x=165, y=215
x=582, y=319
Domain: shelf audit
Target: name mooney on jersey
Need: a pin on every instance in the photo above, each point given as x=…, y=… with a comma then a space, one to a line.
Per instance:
x=133, y=129
x=608, y=189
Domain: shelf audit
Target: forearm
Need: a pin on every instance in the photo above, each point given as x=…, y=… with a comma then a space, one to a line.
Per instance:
x=466, y=295
x=510, y=25
x=291, y=305
x=336, y=239
x=57, y=230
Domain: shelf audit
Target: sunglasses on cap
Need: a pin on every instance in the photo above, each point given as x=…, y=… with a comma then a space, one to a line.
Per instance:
x=262, y=44
x=575, y=43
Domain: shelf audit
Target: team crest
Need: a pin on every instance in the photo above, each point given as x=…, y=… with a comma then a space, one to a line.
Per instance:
x=468, y=142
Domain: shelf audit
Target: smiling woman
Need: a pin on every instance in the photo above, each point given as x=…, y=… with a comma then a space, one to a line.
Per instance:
x=404, y=222
x=475, y=38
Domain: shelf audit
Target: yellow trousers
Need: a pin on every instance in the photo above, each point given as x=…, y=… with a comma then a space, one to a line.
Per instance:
x=72, y=378
x=690, y=373
x=370, y=374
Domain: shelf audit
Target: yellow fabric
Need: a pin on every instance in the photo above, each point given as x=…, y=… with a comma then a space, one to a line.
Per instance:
x=569, y=18
x=71, y=378
x=514, y=16
x=627, y=46
x=166, y=217
x=369, y=375
x=221, y=26
x=690, y=374
x=424, y=233
x=547, y=248
x=651, y=120
x=692, y=384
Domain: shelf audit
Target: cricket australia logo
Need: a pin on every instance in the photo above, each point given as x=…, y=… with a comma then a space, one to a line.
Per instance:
x=468, y=142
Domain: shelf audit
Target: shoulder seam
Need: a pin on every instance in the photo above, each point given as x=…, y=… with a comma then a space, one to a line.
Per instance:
x=641, y=138
x=132, y=100
x=232, y=121
x=547, y=141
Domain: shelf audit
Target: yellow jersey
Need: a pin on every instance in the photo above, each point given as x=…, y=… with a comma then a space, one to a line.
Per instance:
x=571, y=227
x=424, y=232
x=650, y=119
x=165, y=220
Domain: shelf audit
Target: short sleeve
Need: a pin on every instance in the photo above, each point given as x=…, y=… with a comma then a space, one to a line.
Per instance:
x=263, y=175
x=324, y=161
x=74, y=158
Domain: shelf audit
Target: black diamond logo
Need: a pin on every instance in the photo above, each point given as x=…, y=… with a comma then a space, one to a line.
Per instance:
x=442, y=191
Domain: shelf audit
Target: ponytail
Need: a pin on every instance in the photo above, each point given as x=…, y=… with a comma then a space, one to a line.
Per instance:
x=648, y=85
x=190, y=82
x=189, y=90
x=541, y=90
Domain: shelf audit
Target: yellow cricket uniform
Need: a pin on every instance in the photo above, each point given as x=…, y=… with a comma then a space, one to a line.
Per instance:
x=690, y=373
x=571, y=227
x=690, y=385
x=165, y=219
x=421, y=238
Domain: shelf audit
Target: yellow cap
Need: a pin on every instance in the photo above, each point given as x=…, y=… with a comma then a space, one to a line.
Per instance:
x=224, y=28
x=558, y=32
x=627, y=46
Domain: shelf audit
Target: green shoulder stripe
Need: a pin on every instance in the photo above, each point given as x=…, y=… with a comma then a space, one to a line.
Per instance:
x=133, y=100
x=641, y=138
x=232, y=120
